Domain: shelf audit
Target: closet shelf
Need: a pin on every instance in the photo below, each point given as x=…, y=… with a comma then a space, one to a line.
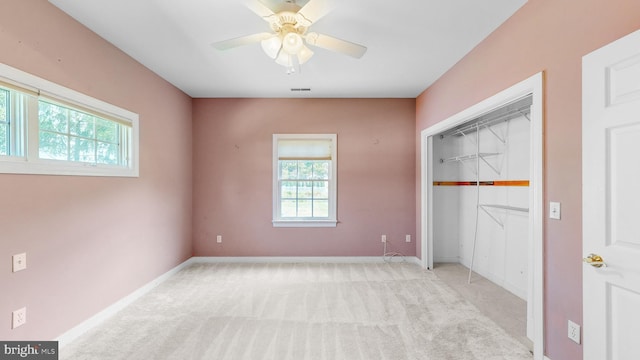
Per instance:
x=502, y=207
x=505, y=207
x=468, y=157
x=482, y=157
x=520, y=107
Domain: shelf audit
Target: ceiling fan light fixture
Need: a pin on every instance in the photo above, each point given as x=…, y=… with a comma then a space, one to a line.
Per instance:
x=272, y=46
x=288, y=61
x=292, y=43
x=304, y=54
x=284, y=59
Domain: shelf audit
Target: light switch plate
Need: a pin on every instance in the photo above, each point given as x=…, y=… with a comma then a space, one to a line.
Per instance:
x=19, y=262
x=554, y=210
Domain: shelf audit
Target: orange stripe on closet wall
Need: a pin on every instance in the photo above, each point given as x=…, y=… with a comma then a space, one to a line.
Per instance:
x=483, y=183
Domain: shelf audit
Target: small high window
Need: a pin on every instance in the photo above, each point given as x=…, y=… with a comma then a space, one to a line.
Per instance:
x=48, y=129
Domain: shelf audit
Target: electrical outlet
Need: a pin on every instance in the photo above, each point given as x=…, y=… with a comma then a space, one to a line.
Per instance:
x=384, y=238
x=219, y=239
x=19, y=317
x=19, y=262
x=407, y=238
x=573, y=331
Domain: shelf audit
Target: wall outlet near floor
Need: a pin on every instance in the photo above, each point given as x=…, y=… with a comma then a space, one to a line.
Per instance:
x=219, y=239
x=19, y=262
x=19, y=317
x=407, y=238
x=384, y=238
x=573, y=331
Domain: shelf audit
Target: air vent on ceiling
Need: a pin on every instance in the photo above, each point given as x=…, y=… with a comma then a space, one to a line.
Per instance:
x=300, y=89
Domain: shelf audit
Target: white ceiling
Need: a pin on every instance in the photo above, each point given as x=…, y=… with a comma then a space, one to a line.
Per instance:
x=410, y=43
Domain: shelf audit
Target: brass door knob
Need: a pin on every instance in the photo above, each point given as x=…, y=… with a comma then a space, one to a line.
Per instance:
x=594, y=260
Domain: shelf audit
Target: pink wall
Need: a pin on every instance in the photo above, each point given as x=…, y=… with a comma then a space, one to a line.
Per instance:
x=91, y=240
x=549, y=36
x=233, y=186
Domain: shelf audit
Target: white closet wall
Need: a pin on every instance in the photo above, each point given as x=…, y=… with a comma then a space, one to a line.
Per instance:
x=446, y=200
x=502, y=242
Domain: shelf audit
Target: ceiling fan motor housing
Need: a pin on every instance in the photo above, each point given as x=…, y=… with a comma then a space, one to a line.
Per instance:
x=286, y=22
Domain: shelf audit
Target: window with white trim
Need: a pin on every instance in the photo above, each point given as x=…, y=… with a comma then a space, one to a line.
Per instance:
x=304, y=180
x=46, y=128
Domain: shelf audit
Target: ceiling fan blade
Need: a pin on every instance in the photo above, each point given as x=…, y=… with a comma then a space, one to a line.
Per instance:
x=260, y=9
x=314, y=10
x=335, y=44
x=241, y=41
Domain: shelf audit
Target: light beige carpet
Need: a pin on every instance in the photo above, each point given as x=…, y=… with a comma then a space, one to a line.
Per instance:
x=299, y=311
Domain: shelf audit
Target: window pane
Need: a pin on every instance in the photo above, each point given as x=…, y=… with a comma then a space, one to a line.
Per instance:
x=305, y=208
x=53, y=146
x=288, y=208
x=4, y=104
x=89, y=138
x=107, y=153
x=4, y=139
x=288, y=189
x=288, y=170
x=321, y=170
x=305, y=190
x=81, y=124
x=305, y=169
x=321, y=208
x=4, y=122
x=320, y=189
x=82, y=150
x=106, y=131
x=52, y=117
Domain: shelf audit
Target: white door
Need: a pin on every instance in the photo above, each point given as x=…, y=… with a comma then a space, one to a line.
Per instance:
x=611, y=200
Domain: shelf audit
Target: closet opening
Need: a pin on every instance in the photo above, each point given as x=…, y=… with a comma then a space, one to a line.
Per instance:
x=482, y=196
x=481, y=187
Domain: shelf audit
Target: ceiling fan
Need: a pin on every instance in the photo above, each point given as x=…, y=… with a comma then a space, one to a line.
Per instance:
x=289, y=24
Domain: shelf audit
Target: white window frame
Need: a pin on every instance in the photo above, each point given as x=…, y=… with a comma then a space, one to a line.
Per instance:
x=331, y=220
x=26, y=159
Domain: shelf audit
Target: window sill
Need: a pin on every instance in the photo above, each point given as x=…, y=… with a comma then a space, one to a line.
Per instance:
x=304, y=223
x=20, y=165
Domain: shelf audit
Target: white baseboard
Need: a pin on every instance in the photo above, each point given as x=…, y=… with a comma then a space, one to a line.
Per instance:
x=449, y=259
x=103, y=315
x=111, y=310
x=303, y=259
